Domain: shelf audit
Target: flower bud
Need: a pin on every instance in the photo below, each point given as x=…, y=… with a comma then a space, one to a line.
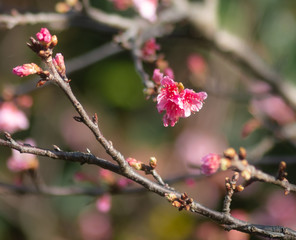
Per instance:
x=134, y=163
x=26, y=69
x=229, y=153
x=246, y=175
x=59, y=64
x=44, y=36
x=170, y=197
x=225, y=163
x=210, y=163
x=153, y=162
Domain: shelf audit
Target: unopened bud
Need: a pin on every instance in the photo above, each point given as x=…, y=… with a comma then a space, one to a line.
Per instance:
x=59, y=64
x=176, y=204
x=54, y=41
x=242, y=153
x=153, y=162
x=246, y=175
x=240, y=188
x=225, y=163
x=229, y=153
x=170, y=197
x=235, y=176
x=134, y=163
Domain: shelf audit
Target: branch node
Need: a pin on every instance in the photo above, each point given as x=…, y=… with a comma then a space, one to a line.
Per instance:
x=78, y=119
x=7, y=136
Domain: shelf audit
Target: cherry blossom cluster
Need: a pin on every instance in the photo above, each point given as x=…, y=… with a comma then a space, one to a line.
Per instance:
x=175, y=100
x=43, y=47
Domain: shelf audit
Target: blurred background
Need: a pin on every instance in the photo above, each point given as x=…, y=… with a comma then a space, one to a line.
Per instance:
x=232, y=116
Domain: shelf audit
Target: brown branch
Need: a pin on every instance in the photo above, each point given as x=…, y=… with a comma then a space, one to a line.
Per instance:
x=79, y=157
x=10, y=21
x=257, y=175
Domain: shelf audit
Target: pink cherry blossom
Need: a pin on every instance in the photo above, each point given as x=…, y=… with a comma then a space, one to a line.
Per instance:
x=22, y=161
x=44, y=35
x=11, y=118
x=26, y=69
x=210, y=163
x=59, y=63
x=103, y=204
x=149, y=48
x=147, y=8
x=176, y=101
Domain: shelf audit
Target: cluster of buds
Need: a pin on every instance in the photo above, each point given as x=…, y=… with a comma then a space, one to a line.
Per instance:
x=231, y=184
x=184, y=202
x=282, y=175
x=138, y=165
x=231, y=157
x=134, y=163
x=43, y=46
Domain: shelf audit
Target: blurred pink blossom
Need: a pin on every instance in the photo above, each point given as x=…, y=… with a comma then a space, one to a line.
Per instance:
x=190, y=182
x=122, y=4
x=147, y=8
x=149, y=49
x=103, y=204
x=270, y=105
x=177, y=101
x=94, y=225
x=275, y=108
x=210, y=163
x=280, y=209
x=123, y=182
x=26, y=69
x=107, y=176
x=157, y=76
x=22, y=161
x=189, y=139
x=169, y=72
x=24, y=101
x=11, y=118
x=44, y=35
x=196, y=64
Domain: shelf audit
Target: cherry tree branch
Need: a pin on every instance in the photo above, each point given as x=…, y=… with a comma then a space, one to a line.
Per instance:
x=11, y=21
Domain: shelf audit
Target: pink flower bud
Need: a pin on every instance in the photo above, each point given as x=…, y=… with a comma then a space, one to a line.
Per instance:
x=134, y=163
x=59, y=64
x=210, y=163
x=44, y=36
x=26, y=69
